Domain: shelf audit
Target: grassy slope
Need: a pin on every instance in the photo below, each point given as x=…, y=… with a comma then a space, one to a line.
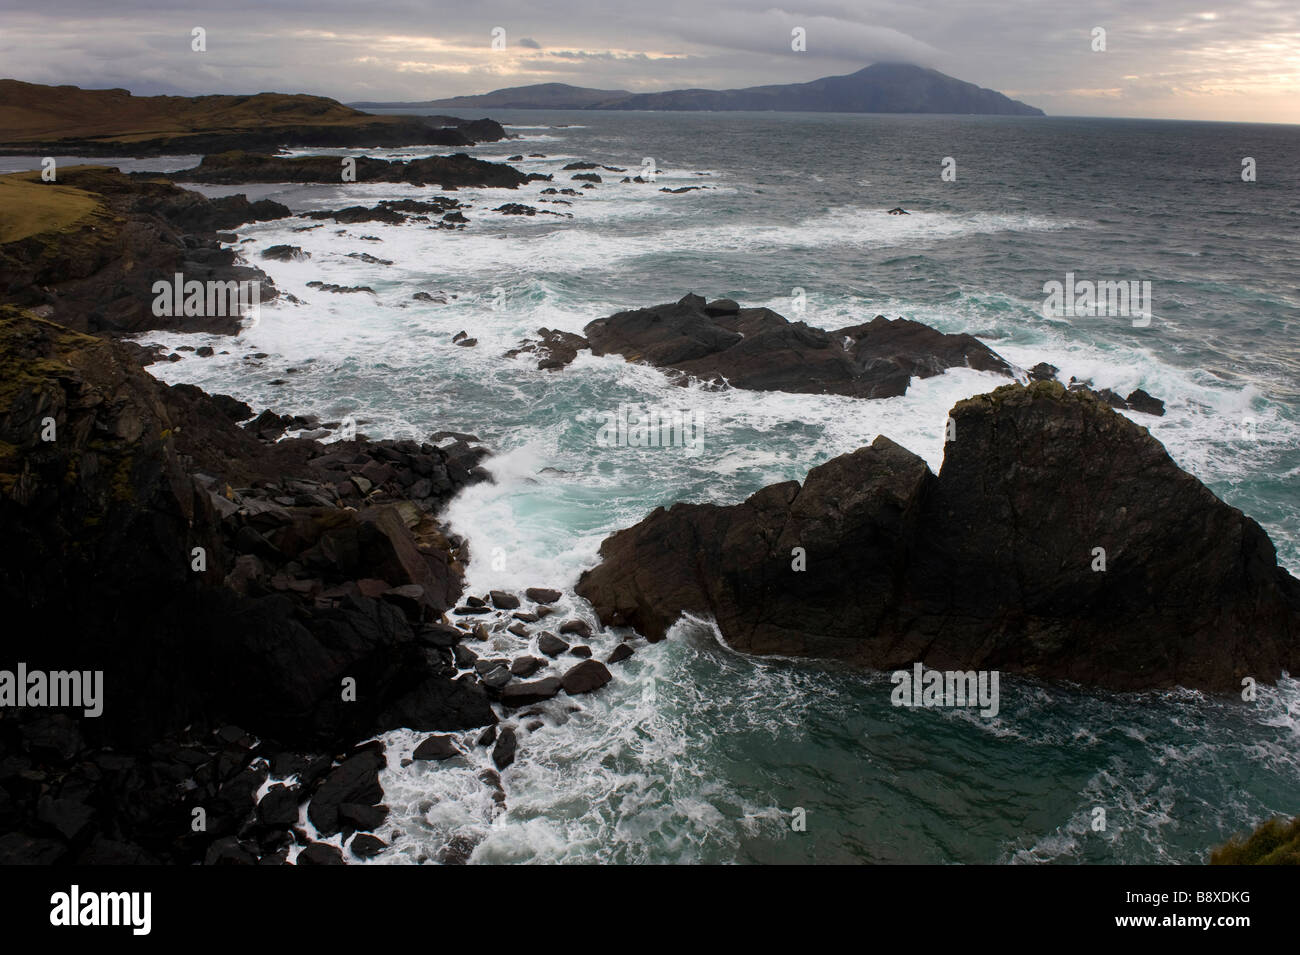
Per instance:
x=30, y=112
x=32, y=207
x=1275, y=842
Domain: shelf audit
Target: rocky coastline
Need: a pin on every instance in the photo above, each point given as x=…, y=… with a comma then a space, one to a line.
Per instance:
x=1054, y=541
x=264, y=604
x=259, y=605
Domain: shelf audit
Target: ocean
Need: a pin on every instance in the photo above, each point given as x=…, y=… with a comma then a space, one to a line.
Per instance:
x=696, y=753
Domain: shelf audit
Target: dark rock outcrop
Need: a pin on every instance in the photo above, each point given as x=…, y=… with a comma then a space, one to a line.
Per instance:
x=447, y=172
x=758, y=349
x=586, y=676
x=993, y=564
x=436, y=747
x=355, y=780
x=292, y=588
x=553, y=349
x=503, y=753
x=98, y=275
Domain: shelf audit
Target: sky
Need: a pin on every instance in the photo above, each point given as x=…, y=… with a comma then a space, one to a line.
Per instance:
x=1176, y=59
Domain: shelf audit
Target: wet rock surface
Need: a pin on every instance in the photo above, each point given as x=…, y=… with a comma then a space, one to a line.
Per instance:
x=100, y=276
x=755, y=348
x=454, y=171
x=991, y=564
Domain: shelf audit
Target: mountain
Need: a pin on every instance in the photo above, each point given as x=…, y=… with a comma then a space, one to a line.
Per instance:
x=879, y=88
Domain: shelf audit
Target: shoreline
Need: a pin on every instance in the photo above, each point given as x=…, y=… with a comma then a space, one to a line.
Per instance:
x=257, y=529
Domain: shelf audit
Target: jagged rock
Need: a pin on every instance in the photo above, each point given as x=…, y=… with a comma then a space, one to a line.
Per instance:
x=279, y=807
x=553, y=349
x=459, y=169
x=1043, y=372
x=285, y=253
x=989, y=565
x=758, y=349
x=1139, y=400
x=355, y=780
x=503, y=754
x=619, y=654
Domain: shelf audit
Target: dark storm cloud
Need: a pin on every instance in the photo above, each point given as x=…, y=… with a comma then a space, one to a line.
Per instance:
x=1163, y=57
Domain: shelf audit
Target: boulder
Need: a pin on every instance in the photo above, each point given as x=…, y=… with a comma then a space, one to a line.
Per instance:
x=579, y=627
x=320, y=853
x=355, y=780
x=550, y=644
x=503, y=754
x=366, y=846
x=436, y=747
x=1139, y=400
x=278, y=809
x=504, y=601
x=586, y=676
x=526, y=666
x=524, y=694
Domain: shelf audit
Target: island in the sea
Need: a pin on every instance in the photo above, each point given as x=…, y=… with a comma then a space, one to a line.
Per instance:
x=878, y=88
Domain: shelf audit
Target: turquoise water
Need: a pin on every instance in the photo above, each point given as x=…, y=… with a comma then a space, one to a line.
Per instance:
x=695, y=752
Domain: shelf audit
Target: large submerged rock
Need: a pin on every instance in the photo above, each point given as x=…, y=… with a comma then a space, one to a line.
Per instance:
x=993, y=564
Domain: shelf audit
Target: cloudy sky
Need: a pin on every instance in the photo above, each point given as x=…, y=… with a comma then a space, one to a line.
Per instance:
x=1187, y=59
